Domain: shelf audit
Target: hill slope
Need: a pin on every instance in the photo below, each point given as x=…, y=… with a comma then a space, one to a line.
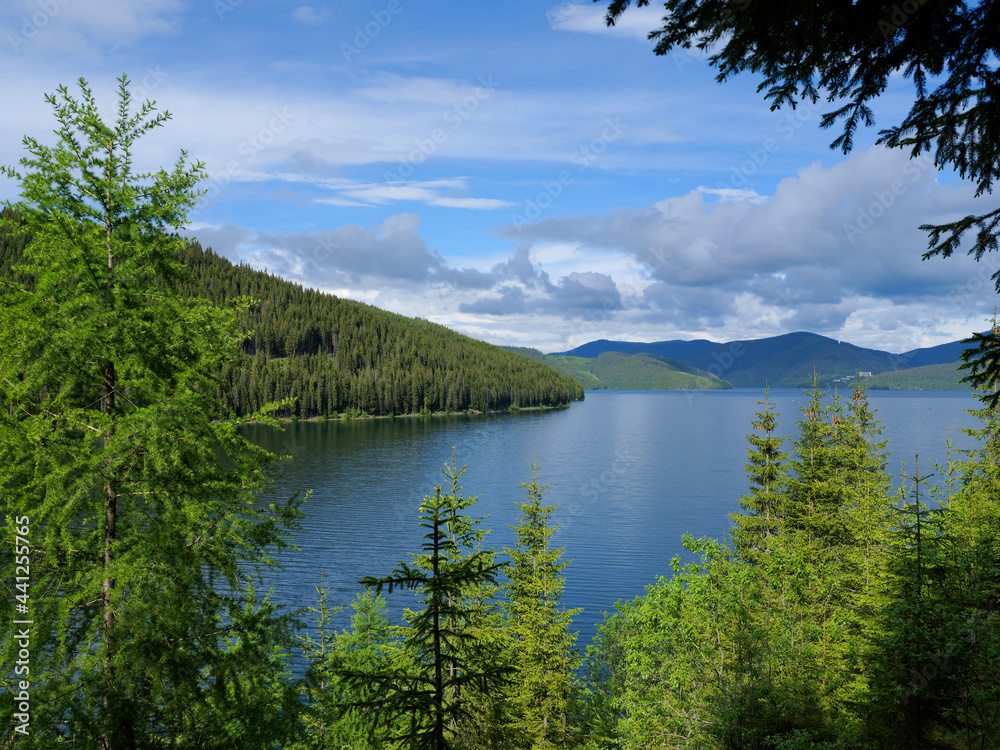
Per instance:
x=648, y=372
x=946, y=377
x=613, y=370
x=337, y=355
x=781, y=361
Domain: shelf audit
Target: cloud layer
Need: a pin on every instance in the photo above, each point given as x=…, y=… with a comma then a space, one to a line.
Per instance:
x=834, y=250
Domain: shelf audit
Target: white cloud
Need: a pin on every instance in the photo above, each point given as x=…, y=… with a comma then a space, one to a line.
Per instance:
x=833, y=249
x=483, y=204
x=431, y=192
x=86, y=28
x=636, y=23
x=734, y=195
x=307, y=14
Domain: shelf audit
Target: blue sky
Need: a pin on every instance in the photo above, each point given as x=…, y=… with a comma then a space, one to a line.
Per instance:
x=513, y=170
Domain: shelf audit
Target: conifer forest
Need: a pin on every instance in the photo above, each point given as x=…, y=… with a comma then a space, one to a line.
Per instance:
x=848, y=608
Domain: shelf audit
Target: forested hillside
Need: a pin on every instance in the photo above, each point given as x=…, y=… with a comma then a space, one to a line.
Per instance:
x=648, y=372
x=946, y=377
x=341, y=356
x=614, y=370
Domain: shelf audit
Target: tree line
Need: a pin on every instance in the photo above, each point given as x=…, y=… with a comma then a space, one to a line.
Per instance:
x=336, y=356
x=844, y=612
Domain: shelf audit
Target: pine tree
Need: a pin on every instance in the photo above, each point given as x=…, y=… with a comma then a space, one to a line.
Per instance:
x=142, y=510
x=542, y=645
x=447, y=660
x=763, y=508
x=816, y=493
x=869, y=497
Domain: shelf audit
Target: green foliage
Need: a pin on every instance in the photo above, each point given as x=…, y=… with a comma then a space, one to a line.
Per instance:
x=449, y=659
x=648, y=372
x=541, y=643
x=615, y=370
x=148, y=516
x=720, y=655
x=935, y=662
x=577, y=368
x=370, y=646
x=527, y=351
x=815, y=494
x=983, y=361
x=763, y=508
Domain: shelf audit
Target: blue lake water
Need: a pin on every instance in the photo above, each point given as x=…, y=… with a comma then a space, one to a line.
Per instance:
x=631, y=471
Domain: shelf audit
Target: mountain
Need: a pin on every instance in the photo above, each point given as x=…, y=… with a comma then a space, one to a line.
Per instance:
x=340, y=356
x=788, y=360
x=676, y=349
x=613, y=370
x=936, y=355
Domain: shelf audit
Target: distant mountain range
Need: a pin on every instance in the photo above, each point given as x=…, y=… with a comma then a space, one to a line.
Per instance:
x=788, y=360
x=614, y=370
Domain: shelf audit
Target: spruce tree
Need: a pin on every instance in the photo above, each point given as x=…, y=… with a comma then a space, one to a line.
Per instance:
x=870, y=494
x=447, y=660
x=141, y=511
x=817, y=491
x=542, y=644
x=763, y=508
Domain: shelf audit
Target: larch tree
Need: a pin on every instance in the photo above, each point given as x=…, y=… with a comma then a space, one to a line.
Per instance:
x=141, y=511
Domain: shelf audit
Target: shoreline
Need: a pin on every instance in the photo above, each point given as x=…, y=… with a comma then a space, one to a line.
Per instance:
x=342, y=418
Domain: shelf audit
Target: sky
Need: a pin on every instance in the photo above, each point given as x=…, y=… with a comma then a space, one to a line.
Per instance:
x=516, y=171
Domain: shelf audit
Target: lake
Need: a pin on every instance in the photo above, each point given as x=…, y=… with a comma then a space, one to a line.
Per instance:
x=631, y=471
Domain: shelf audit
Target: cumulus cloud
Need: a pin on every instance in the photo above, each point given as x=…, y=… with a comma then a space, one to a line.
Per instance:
x=576, y=295
x=829, y=244
x=349, y=256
